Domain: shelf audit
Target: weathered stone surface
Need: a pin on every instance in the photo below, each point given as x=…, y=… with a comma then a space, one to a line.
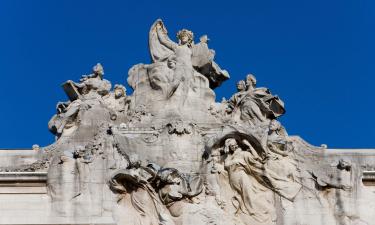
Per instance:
x=170, y=154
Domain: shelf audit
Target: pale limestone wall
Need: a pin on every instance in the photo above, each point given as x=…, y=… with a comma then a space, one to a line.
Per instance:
x=334, y=206
x=29, y=205
x=24, y=197
x=170, y=155
x=29, y=208
x=13, y=157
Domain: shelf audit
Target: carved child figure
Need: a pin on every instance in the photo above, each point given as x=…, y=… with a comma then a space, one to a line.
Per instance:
x=280, y=166
x=277, y=140
x=215, y=168
x=117, y=101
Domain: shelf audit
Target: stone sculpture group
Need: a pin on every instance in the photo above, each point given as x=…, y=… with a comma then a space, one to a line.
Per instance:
x=169, y=154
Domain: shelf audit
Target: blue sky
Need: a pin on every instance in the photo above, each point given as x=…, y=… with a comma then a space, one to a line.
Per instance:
x=318, y=56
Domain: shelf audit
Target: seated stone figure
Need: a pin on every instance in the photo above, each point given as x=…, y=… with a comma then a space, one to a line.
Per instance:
x=83, y=95
x=93, y=85
x=233, y=104
x=257, y=106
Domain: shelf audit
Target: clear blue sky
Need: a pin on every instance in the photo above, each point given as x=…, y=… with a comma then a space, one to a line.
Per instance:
x=318, y=56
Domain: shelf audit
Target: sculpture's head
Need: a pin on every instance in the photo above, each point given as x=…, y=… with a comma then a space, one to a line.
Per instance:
x=98, y=70
x=119, y=91
x=169, y=176
x=241, y=85
x=230, y=145
x=185, y=37
x=251, y=81
x=275, y=125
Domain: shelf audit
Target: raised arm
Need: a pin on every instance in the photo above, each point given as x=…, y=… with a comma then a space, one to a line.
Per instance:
x=164, y=39
x=251, y=149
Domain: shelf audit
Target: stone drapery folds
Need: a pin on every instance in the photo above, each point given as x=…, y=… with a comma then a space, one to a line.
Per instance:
x=170, y=154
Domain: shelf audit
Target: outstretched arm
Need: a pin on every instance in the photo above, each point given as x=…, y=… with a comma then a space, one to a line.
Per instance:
x=77, y=85
x=164, y=39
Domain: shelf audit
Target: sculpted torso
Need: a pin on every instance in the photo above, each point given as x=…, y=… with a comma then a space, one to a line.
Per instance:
x=183, y=55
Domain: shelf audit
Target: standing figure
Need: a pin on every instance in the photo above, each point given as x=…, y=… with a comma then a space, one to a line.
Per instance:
x=193, y=65
x=254, y=201
x=181, y=59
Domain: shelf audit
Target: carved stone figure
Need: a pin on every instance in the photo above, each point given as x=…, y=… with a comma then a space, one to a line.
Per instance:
x=235, y=101
x=169, y=154
x=118, y=103
x=138, y=202
x=181, y=75
x=185, y=53
x=93, y=84
x=280, y=165
x=257, y=106
x=255, y=174
x=253, y=200
x=270, y=105
x=84, y=96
